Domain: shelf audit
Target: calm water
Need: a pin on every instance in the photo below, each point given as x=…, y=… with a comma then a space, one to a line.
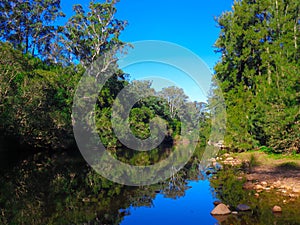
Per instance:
x=57, y=189
x=60, y=188
x=192, y=208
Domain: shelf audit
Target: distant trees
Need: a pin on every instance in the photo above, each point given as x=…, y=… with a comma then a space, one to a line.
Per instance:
x=170, y=104
x=175, y=97
x=259, y=73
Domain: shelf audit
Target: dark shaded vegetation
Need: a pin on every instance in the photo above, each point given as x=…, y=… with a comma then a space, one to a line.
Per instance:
x=289, y=166
x=60, y=188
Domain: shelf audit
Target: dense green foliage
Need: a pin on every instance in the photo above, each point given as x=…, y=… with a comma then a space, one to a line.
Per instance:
x=143, y=111
x=38, y=70
x=39, y=73
x=41, y=64
x=259, y=74
x=35, y=103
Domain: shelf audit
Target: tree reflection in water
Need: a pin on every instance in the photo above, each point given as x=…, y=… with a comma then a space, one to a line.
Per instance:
x=61, y=188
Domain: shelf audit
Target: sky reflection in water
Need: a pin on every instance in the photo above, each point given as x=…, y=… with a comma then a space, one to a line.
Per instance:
x=192, y=208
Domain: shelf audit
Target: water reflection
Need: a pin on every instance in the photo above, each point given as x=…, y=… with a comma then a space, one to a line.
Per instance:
x=192, y=207
x=60, y=188
x=229, y=189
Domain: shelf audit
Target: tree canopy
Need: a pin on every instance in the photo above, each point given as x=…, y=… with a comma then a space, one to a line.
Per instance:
x=43, y=63
x=259, y=73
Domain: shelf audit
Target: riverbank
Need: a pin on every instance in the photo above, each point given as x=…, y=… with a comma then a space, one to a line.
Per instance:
x=265, y=172
x=268, y=186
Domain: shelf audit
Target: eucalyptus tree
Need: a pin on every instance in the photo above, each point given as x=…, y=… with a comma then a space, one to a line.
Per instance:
x=89, y=35
x=29, y=24
x=175, y=97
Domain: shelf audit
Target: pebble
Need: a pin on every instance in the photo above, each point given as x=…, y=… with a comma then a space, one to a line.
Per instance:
x=243, y=207
x=277, y=183
x=264, y=183
x=296, y=190
x=220, y=209
x=267, y=189
x=258, y=187
x=276, y=209
x=293, y=195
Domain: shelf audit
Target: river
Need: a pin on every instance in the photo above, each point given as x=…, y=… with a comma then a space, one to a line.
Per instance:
x=60, y=188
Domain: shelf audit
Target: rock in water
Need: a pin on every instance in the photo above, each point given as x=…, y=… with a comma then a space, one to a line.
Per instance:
x=277, y=209
x=221, y=218
x=243, y=207
x=220, y=209
x=217, y=203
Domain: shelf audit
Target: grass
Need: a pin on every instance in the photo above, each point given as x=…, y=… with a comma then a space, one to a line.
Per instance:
x=280, y=156
x=253, y=161
x=259, y=157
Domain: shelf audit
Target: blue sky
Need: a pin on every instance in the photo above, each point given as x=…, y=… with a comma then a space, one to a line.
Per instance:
x=188, y=23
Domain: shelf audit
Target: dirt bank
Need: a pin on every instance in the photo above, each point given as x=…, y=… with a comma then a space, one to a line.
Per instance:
x=269, y=172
